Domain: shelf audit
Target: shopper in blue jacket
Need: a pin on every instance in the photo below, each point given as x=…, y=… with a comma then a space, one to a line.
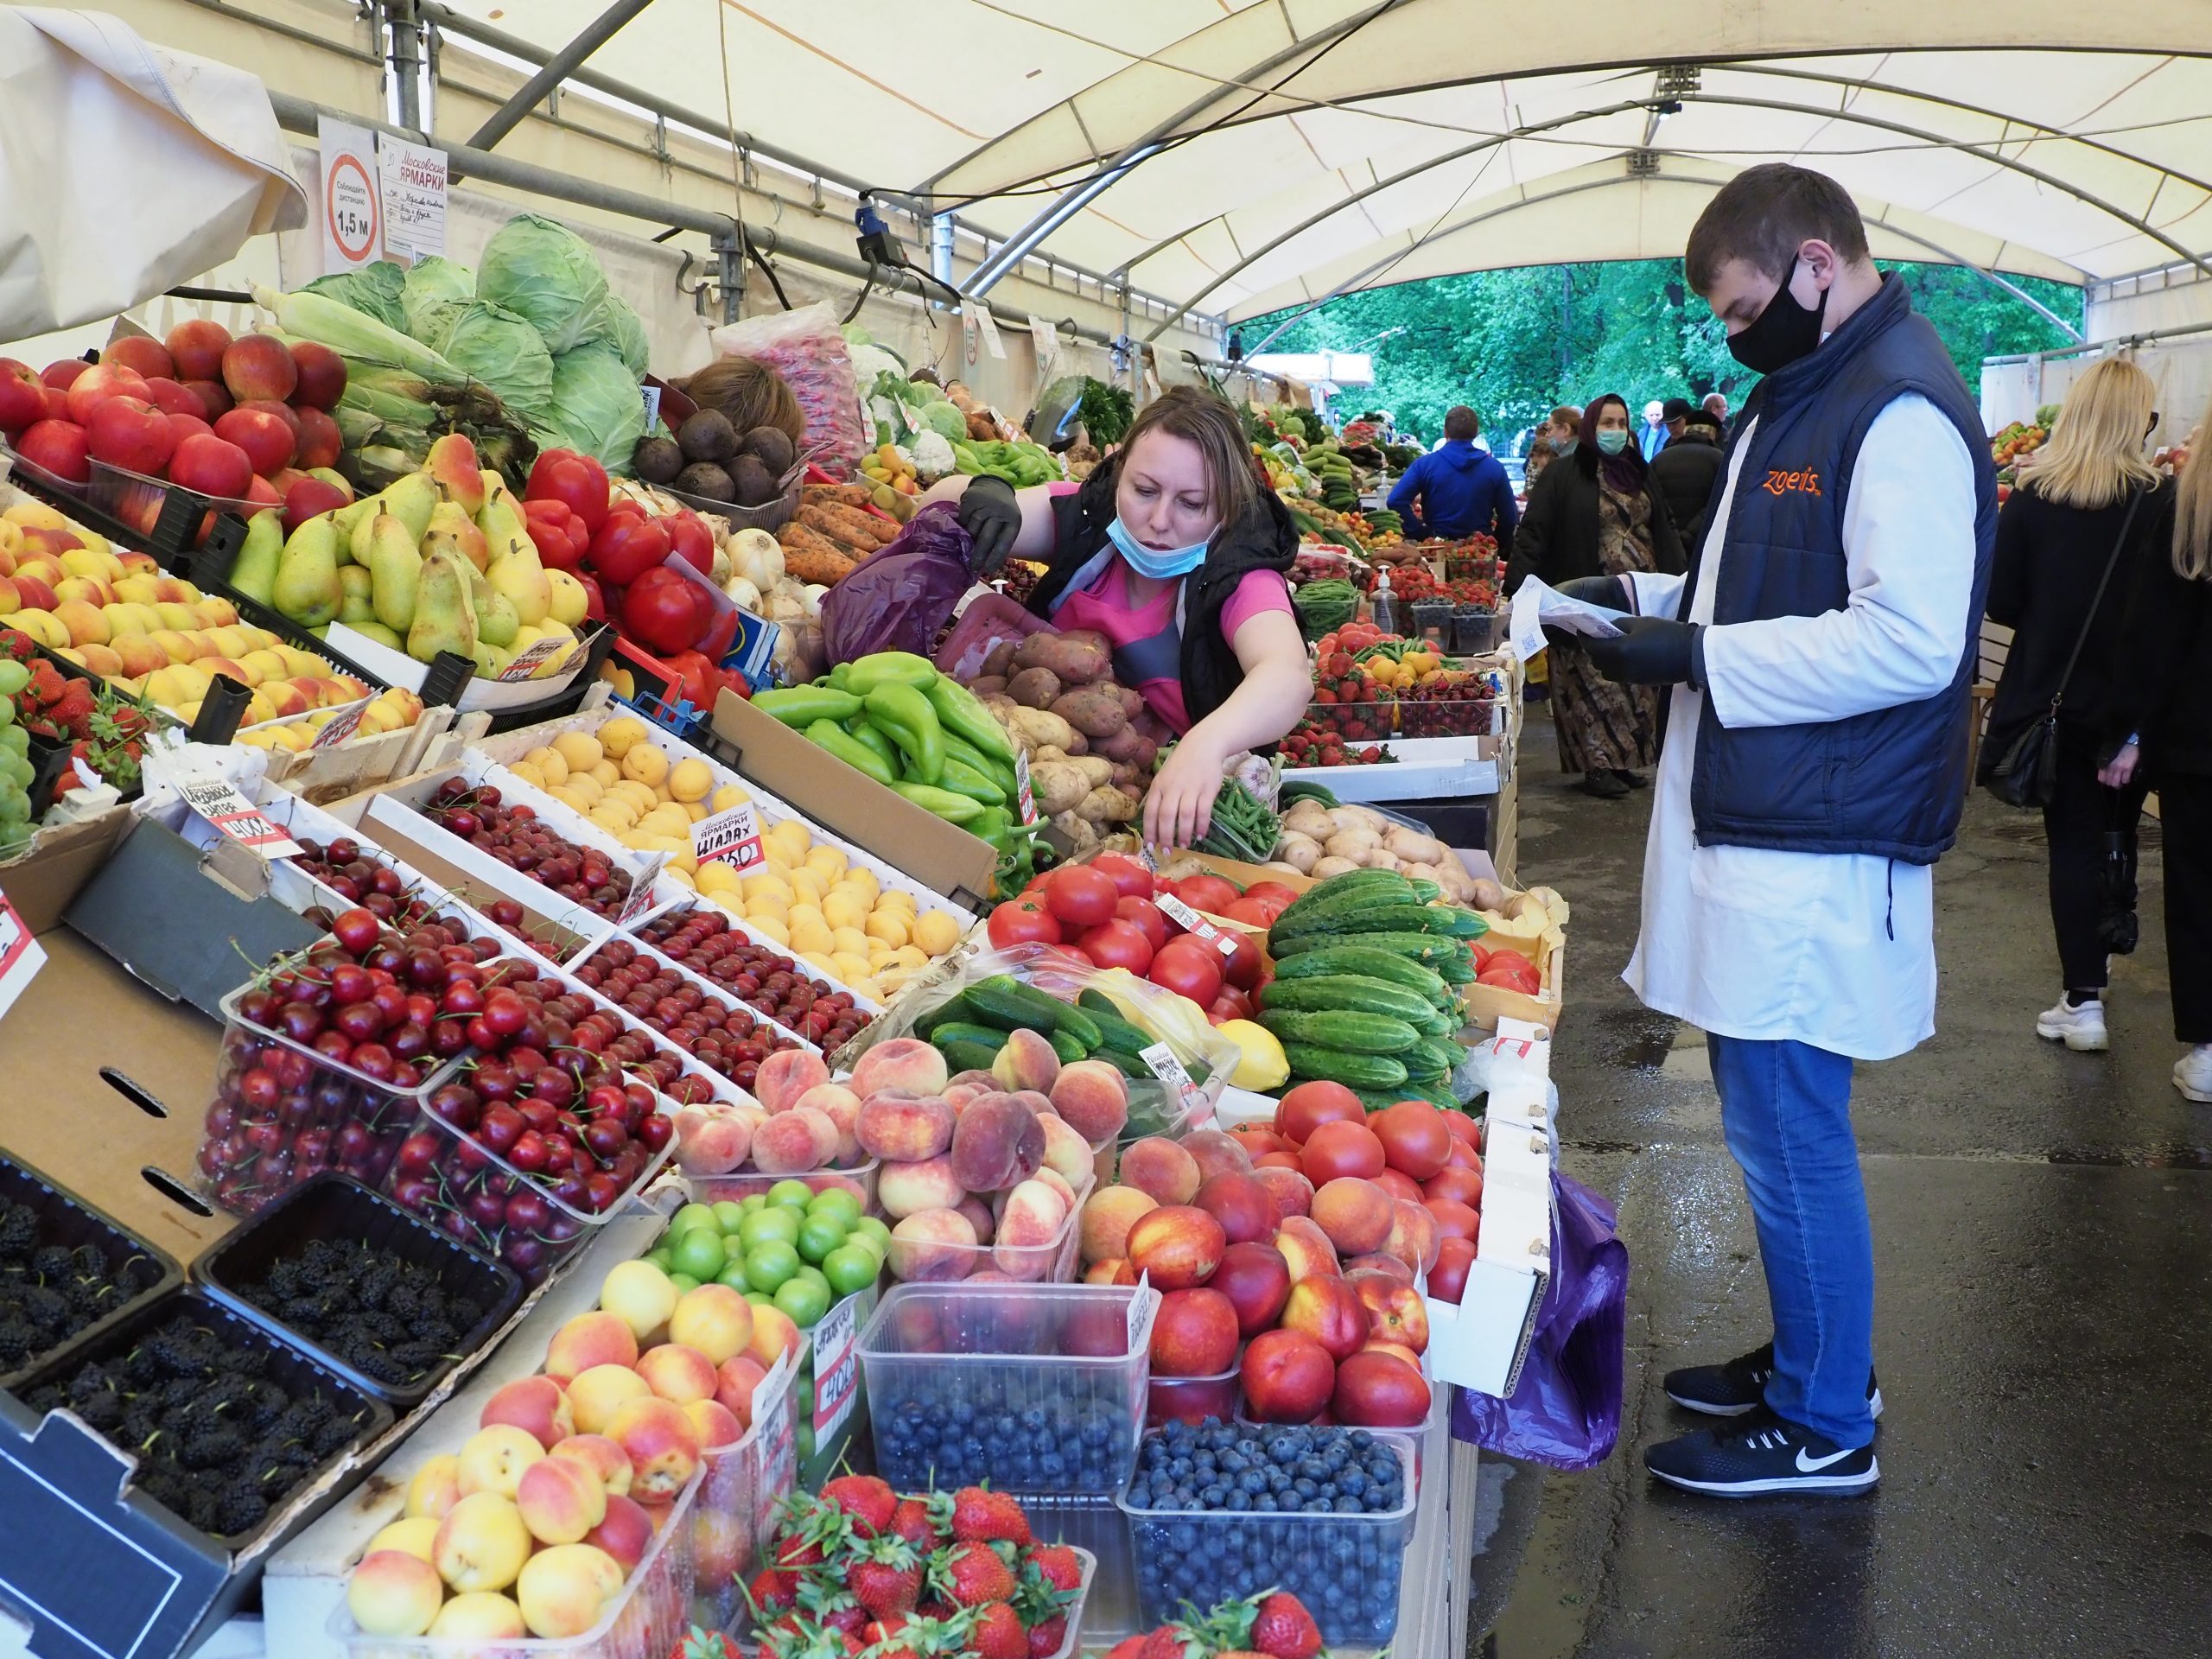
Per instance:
x=1457, y=490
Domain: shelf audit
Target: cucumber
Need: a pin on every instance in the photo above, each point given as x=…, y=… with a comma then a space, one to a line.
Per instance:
x=1459, y=922
x=1425, y=891
x=949, y=1012
x=1347, y=992
x=1365, y=962
x=1127, y=1065
x=1447, y=957
x=1065, y=1044
x=1359, y=1034
x=1372, y=918
x=967, y=1056
x=1436, y=1094
x=967, y=1031
x=1340, y=1066
x=1443, y=1056
x=1003, y=1002
x=1438, y=1023
x=1351, y=883
x=1115, y=1030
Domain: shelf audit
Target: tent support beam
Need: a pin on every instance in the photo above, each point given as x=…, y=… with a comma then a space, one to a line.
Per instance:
x=1992, y=278
x=554, y=71
x=1073, y=200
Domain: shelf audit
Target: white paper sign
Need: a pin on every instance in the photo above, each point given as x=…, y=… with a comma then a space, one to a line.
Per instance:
x=352, y=201
x=20, y=955
x=1142, y=1306
x=1537, y=604
x=1046, y=340
x=414, y=188
x=527, y=662
x=1021, y=786
x=988, y=326
x=1193, y=923
x=218, y=800
x=641, y=898
x=1162, y=1061
x=339, y=727
x=836, y=1367
x=731, y=837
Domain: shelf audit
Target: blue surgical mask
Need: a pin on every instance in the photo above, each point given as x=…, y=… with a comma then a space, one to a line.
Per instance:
x=1612, y=441
x=1150, y=561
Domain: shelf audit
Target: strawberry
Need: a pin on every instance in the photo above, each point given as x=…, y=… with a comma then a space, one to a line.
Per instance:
x=877, y=1631
x=888, y=1576
x=981, y=1515
x=1171, y=1642
x=998, y=1633
x=823, y=1599
x=869, y=1502
x=704, y=1644
x=1045, y=1639
x=772, y=1592
x=1056, y=1564
x=924, y=1523
x=970, y=1575
x=1284, y=1629
x=1129, y=1647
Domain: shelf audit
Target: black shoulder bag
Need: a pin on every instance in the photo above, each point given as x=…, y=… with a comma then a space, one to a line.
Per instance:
x=2028, y=773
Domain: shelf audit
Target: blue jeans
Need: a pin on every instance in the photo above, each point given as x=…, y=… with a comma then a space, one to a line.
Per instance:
x=1785, y=1111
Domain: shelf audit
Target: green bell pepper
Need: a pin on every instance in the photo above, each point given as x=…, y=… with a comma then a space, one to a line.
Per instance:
x=829, y=735
x=800, y=706
x=962, y=779
x=890, y=668
x=962, y=716
x=837, y=675
x=904, y=716
x=941, y=803
x=862, y=730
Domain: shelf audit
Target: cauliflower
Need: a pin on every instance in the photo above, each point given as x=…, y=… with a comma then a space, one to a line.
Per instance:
x=933, y=456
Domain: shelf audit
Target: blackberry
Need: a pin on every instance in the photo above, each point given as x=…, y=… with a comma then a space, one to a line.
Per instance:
x=44, y=1306
x=19, y=1340
x=18, y=1231
x=239, y=1511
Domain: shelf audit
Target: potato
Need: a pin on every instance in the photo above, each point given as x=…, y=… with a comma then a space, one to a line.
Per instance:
x=1078, y=657
x=1108, y=805
x=1130, y=744
x=1414, y=846
x=1487, y=894
x=1093, y=710
x=1131, y=702
x=1058, y=786
x=1328, y=866
x=1037, y=727
x=989, y=685
x=1000, y=663
x=1352, y=843
x=1301, y=852
x=1034, y=688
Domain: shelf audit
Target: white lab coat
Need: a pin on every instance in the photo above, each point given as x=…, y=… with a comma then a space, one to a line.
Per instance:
x=1834, y=949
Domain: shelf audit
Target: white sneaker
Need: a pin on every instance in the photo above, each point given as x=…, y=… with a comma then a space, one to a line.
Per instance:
x=2193, y=1074
x=2081, y=1029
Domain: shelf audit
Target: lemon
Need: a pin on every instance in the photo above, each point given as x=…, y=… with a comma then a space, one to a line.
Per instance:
x=617, y=736
x=690, y=779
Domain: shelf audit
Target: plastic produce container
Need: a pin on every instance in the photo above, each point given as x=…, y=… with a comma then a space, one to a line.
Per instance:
x=1432, y=622
x=68, y=1222
x=1441, y=717
x=740, y=1486
x=341, y=1210
x=1154, y=1110
x=1052, y=1262
x=1345, y=1567
x=1193, y=1399
x=859, y=1179
x=646, y=1620
x=1474, y=631
x=288, y=1368
x=321, y=1115
x=1035, y=1388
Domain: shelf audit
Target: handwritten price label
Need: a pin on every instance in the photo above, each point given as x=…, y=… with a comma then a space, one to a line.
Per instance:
x=641, y=892
x=339, y=728
x=1021, y=786
x=1195, y=925
x=731, y=837
x=218, y=800
x=540, y=652
x=836, y=1367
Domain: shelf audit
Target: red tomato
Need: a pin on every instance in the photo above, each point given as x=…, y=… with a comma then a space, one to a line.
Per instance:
x=1455, y=1184
x=1342, y=1148
x=1245, y=966
x=1276, y=1161
x=1305, y=1108
x=1512, y=972
x=1414, y=1136
x=1231, y=1004
x=1021, y=921
x=1271, y=891
x=1399, y=1187
x=1146, y=915
x=1464, y=1127
x=1118, y=944
x=1480, y=956
x=1081, y=896
x=1131, y=880
x=1206, y=892
x=1253, y=913
x=1188, y=966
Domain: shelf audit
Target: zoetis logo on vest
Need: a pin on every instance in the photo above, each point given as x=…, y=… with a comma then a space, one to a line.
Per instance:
x=1782, y=483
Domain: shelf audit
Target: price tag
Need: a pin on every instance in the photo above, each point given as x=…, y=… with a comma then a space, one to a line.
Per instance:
x=836, y=1367
x=540, y=652
x=217, y=800
x=1143, y=1305
x=988, y=326
x=778, y=1446
x=1145, y=857
x=20, y=955
x=1194, y=924
x=1160, y=1060
x=731, y=837
x=413, y=177
x=338, y=729
x=652, y=395
x=1021, y=786
x=641, y=898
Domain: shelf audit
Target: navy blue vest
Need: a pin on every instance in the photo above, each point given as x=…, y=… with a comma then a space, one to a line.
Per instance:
x=1891, y=782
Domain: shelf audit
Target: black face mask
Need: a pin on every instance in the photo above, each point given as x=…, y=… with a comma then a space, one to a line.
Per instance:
x=1780, y=333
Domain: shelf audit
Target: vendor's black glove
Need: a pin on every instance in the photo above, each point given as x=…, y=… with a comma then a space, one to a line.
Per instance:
x=992, y=517
x=1651, y=651
x=1609, y=591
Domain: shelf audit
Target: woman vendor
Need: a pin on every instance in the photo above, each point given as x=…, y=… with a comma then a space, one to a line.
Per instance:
x=1175, y=550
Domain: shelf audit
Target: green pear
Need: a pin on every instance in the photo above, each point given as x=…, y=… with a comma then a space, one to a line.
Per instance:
x=496, y=620
x=395, y=568
x=375, y=630
x=412, y=501
x=355, y=606
x=307, y=587
x=517, y=573
x=444, y=619
x=344, y=519
x=254, y=572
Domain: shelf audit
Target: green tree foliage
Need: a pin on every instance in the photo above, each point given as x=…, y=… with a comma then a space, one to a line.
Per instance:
x=1513, y=342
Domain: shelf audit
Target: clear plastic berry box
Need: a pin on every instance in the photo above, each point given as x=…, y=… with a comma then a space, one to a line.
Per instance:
x=741, y=1184
x=740, y=1487
x=283, y=1113
x=1033, y=1388
x=646, y=1619
x=1193, y=1399
x=1343, y=1566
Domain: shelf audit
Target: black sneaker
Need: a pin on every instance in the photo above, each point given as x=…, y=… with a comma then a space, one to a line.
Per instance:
x=1633, y=779
x=1605, y=785
x=1763, y=1455
x=1740, y=1386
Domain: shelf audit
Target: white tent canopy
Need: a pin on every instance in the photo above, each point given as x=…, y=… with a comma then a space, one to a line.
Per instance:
x=1238, y=155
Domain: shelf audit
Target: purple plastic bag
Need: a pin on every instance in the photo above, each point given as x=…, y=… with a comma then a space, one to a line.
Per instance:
x=1566, y=1410
x=900, y=598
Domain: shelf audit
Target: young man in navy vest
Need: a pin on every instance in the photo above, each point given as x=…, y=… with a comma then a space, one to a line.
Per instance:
x=1821, y=648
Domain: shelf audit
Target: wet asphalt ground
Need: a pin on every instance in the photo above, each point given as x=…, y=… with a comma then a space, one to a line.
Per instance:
x=2043, y=1229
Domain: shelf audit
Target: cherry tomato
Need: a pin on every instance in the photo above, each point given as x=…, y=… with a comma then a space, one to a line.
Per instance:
x=1206, y=892
x=1147, y=915
x=1118, y=944
x=1131, y=880
x=1189, y=967
x=1021, y=921
x=1080, y=896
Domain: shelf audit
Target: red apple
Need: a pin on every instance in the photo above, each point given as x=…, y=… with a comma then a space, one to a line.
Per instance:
x=266, y=440
x=212, y=466
x=1376, y=1390
x=1287, y=1377
x=1256, y=1281
x=142, y=354
x=57, y=404
x=259, y=366
x=23, y=396
x=197, y=347
x=1447, y=1279
x=261, y=494
x=1194, y=1334
x=132, y=433
x=63, y=374
x=1241, y=1205
x=1178, y=1244
x=171, y=398
x=320, y=375
x=308, y=497
x=59, y=447
x=1328, y=1309
x=283, y=412
x=98, y=383
x=319, y=442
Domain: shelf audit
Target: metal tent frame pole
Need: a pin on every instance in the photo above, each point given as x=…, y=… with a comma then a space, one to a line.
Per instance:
x=555, y=70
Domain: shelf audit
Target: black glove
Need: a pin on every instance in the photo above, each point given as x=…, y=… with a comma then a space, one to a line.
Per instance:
x=992, y=517
x=1609, y=591
x=1651, y=651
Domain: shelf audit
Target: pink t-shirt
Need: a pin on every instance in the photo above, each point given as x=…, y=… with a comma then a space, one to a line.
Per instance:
x=1146, y=641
